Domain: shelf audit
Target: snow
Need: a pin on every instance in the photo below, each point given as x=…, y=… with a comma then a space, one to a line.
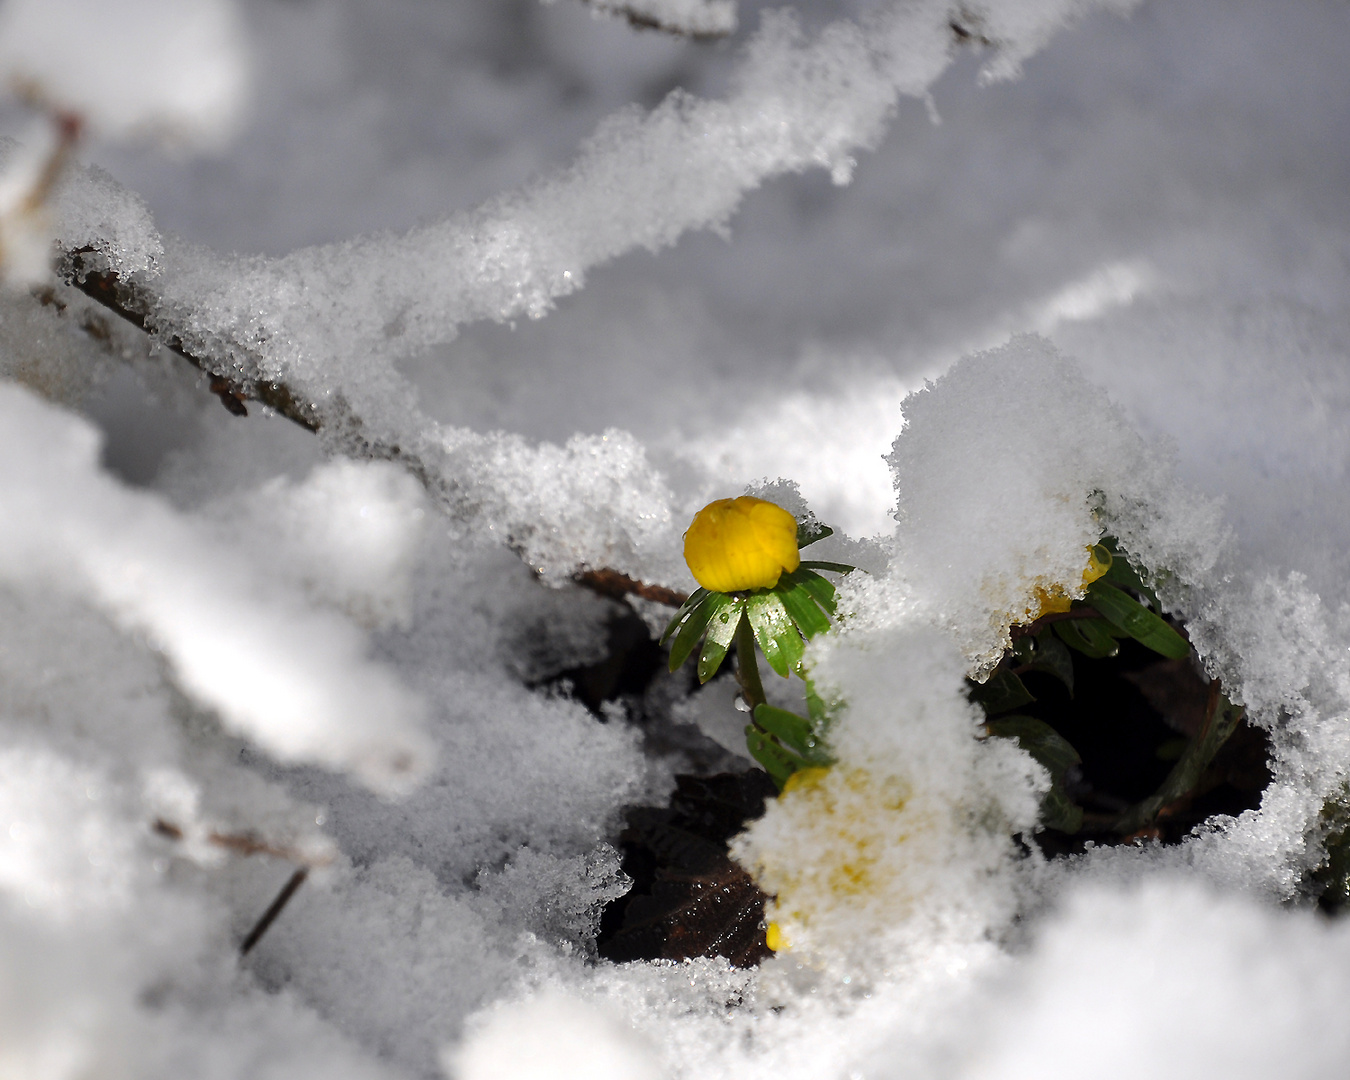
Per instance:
x=908, y=835
x=553, y=1036
x=291, y=678
x=698, y=18
x=970, y=282
x=169, y=69
x=1169, y=945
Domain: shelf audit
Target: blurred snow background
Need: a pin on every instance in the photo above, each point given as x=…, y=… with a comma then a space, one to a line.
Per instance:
x=215, y=629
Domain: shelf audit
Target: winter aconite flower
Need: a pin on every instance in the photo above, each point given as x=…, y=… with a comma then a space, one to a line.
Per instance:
x=754, y=589
x=734, y=545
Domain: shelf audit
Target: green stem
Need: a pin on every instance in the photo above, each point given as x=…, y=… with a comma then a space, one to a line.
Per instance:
x=1221, y=720
x=747, y=665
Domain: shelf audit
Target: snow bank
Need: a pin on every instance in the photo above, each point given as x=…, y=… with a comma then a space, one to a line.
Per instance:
x=1186, y=966
x=295, y=682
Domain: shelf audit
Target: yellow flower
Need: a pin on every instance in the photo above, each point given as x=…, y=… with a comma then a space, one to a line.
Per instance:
x=1057, y=598
x=775, y=939
x=744, y=543
x=845, y=852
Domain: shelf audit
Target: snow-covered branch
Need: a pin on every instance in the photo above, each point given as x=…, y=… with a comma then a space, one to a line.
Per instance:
x=315, y=333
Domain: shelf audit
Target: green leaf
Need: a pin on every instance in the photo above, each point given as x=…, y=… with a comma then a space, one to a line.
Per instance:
x=802, y=610
x=693, y=627
x=1123, y=575
x=1124, y=611
x=1000, y=692
x=822, y=592
x=795, y=732
x=1091, y=637
x=1047, y=654
x=778, y=762
x=811, y=530
x=695, y=598
x=775, y=631
x=1058, y=756
x=816, y=707
x=721, y=632
x=1039, y=740
x=833, y=567
x=1060, y=812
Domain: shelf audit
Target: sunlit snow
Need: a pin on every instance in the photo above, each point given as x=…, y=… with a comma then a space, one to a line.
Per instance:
x=972, y=281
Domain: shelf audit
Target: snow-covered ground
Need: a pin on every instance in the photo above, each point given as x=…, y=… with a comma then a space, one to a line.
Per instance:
x=982, y=279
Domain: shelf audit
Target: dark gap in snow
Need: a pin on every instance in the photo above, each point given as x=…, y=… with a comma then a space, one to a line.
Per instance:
x=688, y=898
x=632, y=660
x=1131, y=717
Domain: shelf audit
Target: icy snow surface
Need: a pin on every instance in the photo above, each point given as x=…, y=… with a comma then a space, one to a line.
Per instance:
x=970, y=281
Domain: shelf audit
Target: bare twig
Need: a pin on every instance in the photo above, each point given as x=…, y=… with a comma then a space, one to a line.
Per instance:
x=249, y=844
x=244, y=844
x=79, y=269
x=270, y=915
x=616, y=586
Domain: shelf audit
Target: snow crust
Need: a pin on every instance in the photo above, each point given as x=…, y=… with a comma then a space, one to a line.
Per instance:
x=983, y=280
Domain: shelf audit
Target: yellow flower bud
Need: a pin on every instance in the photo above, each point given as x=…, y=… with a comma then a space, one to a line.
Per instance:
x=744, y=543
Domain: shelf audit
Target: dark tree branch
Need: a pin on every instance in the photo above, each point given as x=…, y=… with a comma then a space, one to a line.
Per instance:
x=80, y=270
x=129, y=301
x=617, y=586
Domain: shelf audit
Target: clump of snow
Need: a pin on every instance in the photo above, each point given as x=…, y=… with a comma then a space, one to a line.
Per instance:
x=1186, y=968
x=552, y=1036
x=62, y=852
x=295, y=681
x=1010, y=466
x=91, y=210
x=593, y=502
x=909, y=833
x=350, y=532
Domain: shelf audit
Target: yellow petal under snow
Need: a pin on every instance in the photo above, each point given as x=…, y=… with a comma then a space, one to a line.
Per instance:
x=775, y=939
x=743, y=543
x=1057, y=598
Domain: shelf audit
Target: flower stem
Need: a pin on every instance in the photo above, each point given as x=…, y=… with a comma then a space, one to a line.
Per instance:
x=747, y=666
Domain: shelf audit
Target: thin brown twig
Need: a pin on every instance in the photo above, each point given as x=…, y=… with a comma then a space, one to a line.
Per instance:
x=617, y=586
x=248, y=844
x=125, y=299
x=270, y=915
x=243, y=844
